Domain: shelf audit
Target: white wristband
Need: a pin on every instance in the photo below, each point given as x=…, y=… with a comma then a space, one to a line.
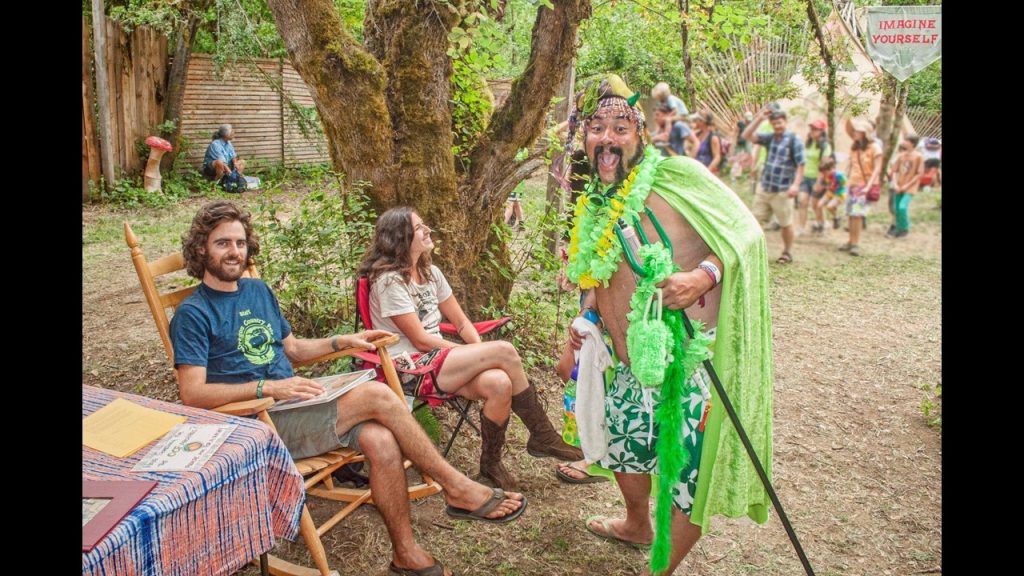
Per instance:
x=706, y=265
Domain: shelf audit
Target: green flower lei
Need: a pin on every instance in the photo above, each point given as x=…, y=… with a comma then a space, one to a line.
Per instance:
x=594, y=253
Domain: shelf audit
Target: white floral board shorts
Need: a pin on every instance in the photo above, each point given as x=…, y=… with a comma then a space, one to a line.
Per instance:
x=633, y=436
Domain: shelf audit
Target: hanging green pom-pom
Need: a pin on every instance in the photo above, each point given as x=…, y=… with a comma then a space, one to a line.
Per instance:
x=649, y=342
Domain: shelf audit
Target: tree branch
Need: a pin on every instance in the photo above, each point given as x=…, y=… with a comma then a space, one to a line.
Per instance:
x=347, y=86
x=522, y=117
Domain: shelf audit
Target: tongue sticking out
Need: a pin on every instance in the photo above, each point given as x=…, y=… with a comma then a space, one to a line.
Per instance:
x=608, y=160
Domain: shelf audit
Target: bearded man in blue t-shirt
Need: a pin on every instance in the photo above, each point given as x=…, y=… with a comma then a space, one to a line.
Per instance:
x=231, y=343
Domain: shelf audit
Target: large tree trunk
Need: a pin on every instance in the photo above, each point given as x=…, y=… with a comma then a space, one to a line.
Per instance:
x=347, y=85
x=493, y=171
x=386, y=113
x=887, y=108
x=553, y=206
x=177, y=78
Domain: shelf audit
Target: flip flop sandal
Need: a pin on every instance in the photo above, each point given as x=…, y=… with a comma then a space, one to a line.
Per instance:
x=786, y=258
x=497, y=497
x=610, y=535
x=588, y=478
x=437, y=569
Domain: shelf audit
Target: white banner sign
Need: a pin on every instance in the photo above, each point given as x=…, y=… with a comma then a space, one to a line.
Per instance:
x=903, y=40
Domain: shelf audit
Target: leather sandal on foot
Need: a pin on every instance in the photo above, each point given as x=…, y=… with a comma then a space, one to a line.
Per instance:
x=497, y=497
x=569, y=479
x=437, y=569
x=609, y=533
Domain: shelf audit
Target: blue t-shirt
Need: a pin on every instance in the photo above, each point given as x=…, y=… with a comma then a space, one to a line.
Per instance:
x=237, y=335
x=219, y=149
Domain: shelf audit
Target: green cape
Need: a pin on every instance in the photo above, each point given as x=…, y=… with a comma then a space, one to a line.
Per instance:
x=727, y=482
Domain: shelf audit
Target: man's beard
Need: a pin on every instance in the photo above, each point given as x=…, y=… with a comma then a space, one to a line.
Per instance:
x=620, y=169
x=220, y=273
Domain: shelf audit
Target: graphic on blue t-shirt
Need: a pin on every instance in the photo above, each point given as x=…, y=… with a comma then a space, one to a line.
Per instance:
x=254, y=341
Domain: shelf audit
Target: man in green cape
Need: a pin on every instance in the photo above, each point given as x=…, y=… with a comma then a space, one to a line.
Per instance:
x=722, y=282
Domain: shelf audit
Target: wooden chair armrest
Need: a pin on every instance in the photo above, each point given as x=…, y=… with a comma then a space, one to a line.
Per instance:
x=246, y=407
x=382, y=342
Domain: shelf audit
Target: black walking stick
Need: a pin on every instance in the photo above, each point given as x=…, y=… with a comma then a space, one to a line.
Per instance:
x=639, y=269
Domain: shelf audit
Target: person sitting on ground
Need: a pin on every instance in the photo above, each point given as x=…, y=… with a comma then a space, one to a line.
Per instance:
x=220, y=156
x=409, y=295
x=231, y=343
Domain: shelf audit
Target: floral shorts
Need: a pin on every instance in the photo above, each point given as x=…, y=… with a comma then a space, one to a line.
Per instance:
x=419, y=380
x=857, y=205
x=633, y=436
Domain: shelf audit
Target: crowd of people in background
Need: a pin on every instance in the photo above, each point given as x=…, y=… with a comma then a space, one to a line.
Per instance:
x=800, y=184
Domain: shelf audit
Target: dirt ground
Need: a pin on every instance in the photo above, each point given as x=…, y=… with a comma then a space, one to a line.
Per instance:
x=857, y=466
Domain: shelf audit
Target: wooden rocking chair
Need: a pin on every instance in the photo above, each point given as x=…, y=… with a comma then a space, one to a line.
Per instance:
x=317, y=470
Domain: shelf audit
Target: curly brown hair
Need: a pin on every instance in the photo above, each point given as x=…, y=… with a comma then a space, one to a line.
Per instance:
x=392, y=241
x=193, y=243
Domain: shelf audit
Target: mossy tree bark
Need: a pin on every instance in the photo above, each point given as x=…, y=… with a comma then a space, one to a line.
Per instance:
x=385, y=108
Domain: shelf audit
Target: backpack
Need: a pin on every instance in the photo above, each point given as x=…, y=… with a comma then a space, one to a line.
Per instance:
x=233, y=182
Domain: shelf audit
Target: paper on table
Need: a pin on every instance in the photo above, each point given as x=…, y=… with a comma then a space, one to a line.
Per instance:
x=187, y=447
x=122, y=427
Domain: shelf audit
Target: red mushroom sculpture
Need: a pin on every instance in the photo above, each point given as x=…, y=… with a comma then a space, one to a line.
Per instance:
x=157, y=148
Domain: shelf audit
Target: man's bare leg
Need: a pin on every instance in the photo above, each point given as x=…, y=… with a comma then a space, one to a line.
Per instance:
x=684, y=536
x=636, y=527
x=387, y=480
x=375, y=401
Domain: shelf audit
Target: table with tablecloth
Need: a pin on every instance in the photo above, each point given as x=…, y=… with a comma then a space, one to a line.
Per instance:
x=212, y=521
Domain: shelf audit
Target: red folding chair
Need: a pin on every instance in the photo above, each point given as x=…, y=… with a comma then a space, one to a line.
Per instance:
x=461, y=405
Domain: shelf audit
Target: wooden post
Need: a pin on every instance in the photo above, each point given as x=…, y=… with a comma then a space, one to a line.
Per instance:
x=90, y=154
x=102, y=91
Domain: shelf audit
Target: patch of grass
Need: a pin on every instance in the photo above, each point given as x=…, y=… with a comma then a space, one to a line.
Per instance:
x=931, y=405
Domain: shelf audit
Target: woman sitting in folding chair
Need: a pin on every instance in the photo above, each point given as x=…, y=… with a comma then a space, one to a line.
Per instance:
x=408, y=296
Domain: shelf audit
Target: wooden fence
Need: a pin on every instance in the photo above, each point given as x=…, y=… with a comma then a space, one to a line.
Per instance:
x=137, y=71
x=926, y=122
x=252, y=95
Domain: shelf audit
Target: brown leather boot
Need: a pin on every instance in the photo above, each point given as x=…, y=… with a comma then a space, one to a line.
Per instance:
x=544, y=441
x=493, y=443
